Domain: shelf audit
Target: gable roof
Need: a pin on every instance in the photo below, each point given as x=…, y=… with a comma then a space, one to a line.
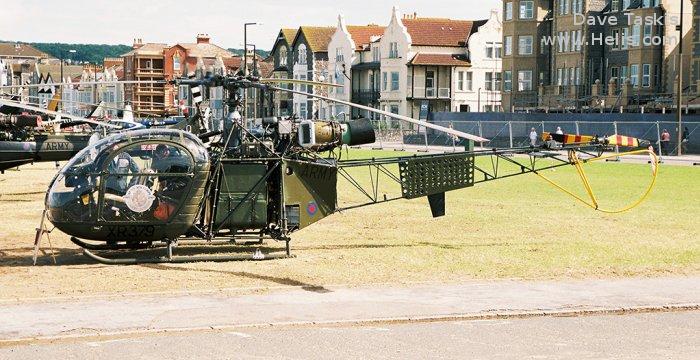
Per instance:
x=362, y=35
x=205, y=50
x=440, y=59
x=24, y=50
x=440, y=32
x=148, y=49
x=289, y=34
x=317, y=37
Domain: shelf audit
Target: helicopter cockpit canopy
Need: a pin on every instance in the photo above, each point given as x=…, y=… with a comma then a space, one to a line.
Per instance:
x=138, y=176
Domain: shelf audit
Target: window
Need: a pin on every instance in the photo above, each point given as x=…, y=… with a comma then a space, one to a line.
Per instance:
x=509, y=45
x=496, y=81
x=507, y=80
x=488, y=81
x=339, y=55
x=176, y=62
x=560, y=76
x=429, y=83
x=498, y=50
x=301, y=50
x=623, y=74
x=648, y=31
x=625, y=4
x=625, y=38
x=384, y=81
x=636, y=35
x=615, y=5
x=579, y=40
x=509, y=11
x=576, y=6
x=394, y=81
x=469, y=81
x=578, y=76
x=646, y=75
x=525, y=80
x=525, y=45
x=393, y=50
x=527, y=9
x=614, y=73
x=302, y=110
x=634, y=75
x=616, y=36
x=376, y=54
x=283, y=56
x=489, y=50
x=460, y=80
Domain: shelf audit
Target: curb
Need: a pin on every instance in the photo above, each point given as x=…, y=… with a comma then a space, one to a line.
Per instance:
x=494, y=315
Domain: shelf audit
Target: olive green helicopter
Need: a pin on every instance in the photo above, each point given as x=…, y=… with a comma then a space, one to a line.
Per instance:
x=157, y=188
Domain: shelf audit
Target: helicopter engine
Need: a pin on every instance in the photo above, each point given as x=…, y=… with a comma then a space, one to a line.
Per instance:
x=326, y=135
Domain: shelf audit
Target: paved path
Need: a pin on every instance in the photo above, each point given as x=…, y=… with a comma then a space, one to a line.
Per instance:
x=151, y=313
x=638, y=336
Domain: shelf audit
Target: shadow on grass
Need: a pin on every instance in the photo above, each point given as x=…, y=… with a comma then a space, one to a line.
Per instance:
x=278, y=280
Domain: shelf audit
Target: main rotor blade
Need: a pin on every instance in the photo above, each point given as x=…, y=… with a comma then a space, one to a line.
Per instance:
x=54, y=113
x=85, y=83
x=298, y=81
x=91, y=104
x=391, y=115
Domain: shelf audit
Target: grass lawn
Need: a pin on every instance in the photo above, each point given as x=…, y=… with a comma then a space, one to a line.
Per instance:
x=519, y=227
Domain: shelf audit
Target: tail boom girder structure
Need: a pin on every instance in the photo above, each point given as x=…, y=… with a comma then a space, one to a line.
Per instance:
x=433, y=175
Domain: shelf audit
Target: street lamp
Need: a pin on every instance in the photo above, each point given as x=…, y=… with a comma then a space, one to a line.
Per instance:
x=245, y=62
x=679, y=100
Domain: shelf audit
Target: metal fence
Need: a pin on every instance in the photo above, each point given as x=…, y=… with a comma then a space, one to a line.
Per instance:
x=516, y=133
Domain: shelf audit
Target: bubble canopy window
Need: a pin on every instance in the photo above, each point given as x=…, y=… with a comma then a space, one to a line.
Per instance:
x=141, y=175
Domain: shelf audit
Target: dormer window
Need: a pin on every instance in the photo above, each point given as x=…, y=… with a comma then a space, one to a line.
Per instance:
x=393, y=50
x=283, y=56
x=301, y=57
x=339, y=55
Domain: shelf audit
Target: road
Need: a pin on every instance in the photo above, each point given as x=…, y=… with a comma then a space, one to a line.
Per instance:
x=635, y=336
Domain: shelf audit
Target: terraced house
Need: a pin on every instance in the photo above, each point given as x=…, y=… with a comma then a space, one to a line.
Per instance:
x=310, y=62
x=283, y=60
x=436, y=64
x=354, y=64
x=570, y=54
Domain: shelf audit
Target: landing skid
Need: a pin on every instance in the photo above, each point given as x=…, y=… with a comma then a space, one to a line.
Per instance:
x=170, y=246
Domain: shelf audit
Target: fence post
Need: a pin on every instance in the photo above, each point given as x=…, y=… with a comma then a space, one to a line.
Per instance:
x=577, y=132
x=425, y=133
x=658, y=140
x=510, y=133
x=401, y=133
x=617, y=147
x=481, y=133
x=454, y=145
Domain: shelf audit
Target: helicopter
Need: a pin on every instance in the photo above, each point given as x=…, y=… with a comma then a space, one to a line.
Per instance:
x=156, y=188
x=21, y=143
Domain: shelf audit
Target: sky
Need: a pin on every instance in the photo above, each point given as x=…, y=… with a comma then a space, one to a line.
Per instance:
x=171, y=21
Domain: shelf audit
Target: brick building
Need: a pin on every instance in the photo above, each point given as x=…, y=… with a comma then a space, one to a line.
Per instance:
x=162, y=62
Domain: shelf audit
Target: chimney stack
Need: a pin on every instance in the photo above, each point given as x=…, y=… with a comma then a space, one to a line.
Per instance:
x=202, y=38
x=137, y=43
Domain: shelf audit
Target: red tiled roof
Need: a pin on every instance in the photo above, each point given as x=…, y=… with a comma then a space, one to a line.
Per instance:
x=439, y=32
x=362, y=35
x=440, y=59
